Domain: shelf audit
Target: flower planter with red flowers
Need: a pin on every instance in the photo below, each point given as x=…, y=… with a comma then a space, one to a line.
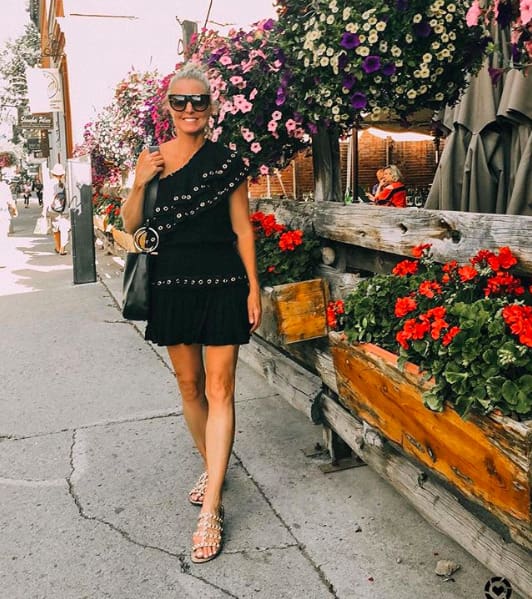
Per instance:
x=456, y=339
x=293, y=301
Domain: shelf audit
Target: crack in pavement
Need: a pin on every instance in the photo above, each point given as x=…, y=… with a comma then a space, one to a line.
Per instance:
x=184, y=565
x=102, y=424
x=329, y=585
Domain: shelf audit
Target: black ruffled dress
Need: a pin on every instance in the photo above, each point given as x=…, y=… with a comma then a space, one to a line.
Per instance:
x=199, y=284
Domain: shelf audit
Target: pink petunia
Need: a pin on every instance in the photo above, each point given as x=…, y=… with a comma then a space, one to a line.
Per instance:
x=473, y=14
x=272, y=126
x=277, y=115
x=238, y=81
x=525, y=7
x=253, y=93
x=264, y=170
x=225, y=60
x=247, y=134
x=290, y=125
x=255, y=147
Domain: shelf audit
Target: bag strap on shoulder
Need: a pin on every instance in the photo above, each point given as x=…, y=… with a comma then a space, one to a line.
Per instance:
x=151, y=192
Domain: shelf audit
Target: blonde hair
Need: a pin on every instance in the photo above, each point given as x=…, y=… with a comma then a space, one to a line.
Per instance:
x=191, y=71
x=395, y=173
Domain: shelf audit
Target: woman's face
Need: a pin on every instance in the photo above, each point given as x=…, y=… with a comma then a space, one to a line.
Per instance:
x=189, y=121
x=387, y=176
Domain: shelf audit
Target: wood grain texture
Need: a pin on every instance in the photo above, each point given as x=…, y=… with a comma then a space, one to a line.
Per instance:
x=436, y=504
x=294, y=312
x=486, y=458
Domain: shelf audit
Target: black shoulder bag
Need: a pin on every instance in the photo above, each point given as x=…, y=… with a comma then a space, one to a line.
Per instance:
x=136, y=283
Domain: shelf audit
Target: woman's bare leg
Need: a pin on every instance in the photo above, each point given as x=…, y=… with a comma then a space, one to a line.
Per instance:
x=220, y=367
x=187, y=361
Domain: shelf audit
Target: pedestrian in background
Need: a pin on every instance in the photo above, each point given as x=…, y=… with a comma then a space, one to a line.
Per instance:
x=57, y=207
x=8, y=209
x=206, y=298
x=26, y=193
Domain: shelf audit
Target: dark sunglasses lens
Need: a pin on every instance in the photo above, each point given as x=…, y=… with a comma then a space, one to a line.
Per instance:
x=200, y=102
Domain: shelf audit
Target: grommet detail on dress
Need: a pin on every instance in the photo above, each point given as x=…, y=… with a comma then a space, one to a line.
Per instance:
x=210, y=282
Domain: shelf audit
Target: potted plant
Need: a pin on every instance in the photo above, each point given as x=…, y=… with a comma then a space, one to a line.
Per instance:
x=294, y=302
x=456, y=339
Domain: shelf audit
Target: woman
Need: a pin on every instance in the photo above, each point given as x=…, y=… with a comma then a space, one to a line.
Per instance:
x=392, y=191
x=205, y=284
x=57, y=204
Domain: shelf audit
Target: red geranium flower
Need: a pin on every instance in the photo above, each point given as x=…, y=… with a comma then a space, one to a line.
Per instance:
x=467, y=273
x=519, y=319
x=450, y=335
x=418, y=250
x=429, y=288
x=406, y=267
x=404, y=305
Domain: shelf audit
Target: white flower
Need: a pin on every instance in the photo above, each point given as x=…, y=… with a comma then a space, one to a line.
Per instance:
x=330, y=19
x=328, y=103
x=422, y=90
x=352, y=27
x=336, y=118
x=435, y=45
x=396, y=51
x=417, y=18
x=373, y=37
x=439, y=29
x=411, y=94
x=380, y=26
x=362, y=50
x=439, y=71
x=329, y=52
x=408, y=38
x=366, y=27
x=451, y=8
x=323, y=17
x=366, y=15
x=324, y=61
x=383, y=46
x=347, y=13
x=433, y=22
x=306, y=62
x=439, y=97
x=362, y=38
x=372, y=21
x=377, y=79
x=445, y=53
x=335, y=110
x=399, y=89
x=449, y=18
x=444, y=38
x=427, y=57
x=452, y=35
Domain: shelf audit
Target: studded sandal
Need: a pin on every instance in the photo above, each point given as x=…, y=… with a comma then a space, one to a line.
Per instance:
x=197, y=492
x=210, y=530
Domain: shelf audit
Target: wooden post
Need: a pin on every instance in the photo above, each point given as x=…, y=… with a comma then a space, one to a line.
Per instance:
x=326, y=164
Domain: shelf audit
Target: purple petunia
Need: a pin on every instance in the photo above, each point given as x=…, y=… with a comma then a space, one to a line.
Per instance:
x=349, y=40
x=267, y=25
x=371, y=63
x=312, y=128
x=422, y=29
x=389, y=69
x=359, y=101
x=349, y=81
x=281, y=97
x=343, y=61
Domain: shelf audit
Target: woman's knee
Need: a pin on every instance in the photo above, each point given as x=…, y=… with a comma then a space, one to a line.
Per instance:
x=191, y=388
x=220, y=389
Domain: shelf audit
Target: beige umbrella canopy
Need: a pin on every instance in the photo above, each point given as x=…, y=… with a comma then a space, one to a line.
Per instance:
x=485, y=165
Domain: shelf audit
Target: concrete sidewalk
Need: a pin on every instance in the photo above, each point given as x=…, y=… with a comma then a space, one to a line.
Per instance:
x=96, y=462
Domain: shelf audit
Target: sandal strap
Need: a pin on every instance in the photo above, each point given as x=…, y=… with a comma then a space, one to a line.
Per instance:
x=200, y=486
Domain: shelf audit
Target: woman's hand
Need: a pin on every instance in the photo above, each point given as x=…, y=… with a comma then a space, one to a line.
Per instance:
x=148, y=165
x=254, y=309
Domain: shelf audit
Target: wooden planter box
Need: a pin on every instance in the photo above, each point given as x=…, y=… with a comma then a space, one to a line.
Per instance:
x=294, y=312
x=124, y=240
x=485, y=459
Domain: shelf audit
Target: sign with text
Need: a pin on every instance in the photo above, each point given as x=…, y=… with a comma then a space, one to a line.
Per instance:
x=35, y=121
x=44, y=90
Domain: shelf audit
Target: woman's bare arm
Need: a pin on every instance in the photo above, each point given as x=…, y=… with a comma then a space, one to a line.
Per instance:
x=239, y=211
x=148, y=165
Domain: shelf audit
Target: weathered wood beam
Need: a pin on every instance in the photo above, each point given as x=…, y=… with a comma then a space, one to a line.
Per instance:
x=437, y=505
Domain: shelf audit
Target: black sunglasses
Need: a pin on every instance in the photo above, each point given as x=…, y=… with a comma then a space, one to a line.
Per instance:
x=200, y=102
